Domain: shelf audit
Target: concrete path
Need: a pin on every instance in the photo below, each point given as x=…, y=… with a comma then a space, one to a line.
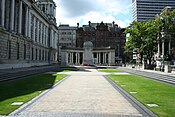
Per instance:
x=83, y=93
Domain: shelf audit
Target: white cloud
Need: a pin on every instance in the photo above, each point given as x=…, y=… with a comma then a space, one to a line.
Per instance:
x=73, y=11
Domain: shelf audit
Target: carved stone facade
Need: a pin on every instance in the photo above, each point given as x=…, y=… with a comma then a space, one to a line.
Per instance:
x=76, y=56
x=103, y=35
x=28, y=33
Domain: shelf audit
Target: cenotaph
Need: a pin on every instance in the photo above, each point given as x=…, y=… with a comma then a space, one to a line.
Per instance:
x=88, y=59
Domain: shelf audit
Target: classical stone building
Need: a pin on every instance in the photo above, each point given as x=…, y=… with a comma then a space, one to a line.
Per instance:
x=28, y=33
x=103, y=35
x=87, y=56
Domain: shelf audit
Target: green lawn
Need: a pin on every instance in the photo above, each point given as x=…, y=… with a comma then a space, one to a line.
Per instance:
x=110, y=70
x=149, y=92
x=25, y=89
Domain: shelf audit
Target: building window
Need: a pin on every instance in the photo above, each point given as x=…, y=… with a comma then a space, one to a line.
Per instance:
x=46, y=55
x=39, y=54
x=24, y=51
x=17, y=51
x=32, y=53
x=36, y=54
x=9, y=49
x=43, y=55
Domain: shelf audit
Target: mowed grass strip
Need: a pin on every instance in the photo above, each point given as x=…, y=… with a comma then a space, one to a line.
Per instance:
x=149, y=92
x=24, y=89
x=110, y=70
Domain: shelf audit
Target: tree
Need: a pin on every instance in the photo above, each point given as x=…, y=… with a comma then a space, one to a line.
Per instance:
x=145, y=35
x=150, y=42
x=136, y=38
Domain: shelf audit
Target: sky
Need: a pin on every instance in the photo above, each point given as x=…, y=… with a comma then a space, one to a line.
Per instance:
x=82, y=11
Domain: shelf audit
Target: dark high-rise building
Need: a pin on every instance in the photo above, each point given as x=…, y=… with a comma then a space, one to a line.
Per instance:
x=143, y=10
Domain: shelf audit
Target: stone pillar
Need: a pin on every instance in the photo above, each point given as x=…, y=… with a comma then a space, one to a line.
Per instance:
x=37, y=31
x=26, y=22
x=158, y=49
x=12, y=11
x=34, y=24
x=41, y=33
x=20, y=17
x=88, y=59
x=3, y=12
x=76, y=60
x=163, y=48
x=67, y=58
x=105, y=58
x=169, y=47
x=44, y=33
x=29, y=23
x=109, y=58
x=70, y=57
x=100, y=58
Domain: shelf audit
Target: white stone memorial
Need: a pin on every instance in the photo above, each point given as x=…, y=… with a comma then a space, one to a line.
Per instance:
x=87, y=59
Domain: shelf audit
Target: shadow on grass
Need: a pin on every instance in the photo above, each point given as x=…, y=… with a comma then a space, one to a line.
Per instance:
x=24, y=86
x=63, y=69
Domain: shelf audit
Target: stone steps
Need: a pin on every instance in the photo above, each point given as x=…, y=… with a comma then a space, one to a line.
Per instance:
x=18, y=74
x=160, y=77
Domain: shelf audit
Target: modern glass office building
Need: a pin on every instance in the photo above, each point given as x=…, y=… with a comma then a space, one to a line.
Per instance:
x=143, y=10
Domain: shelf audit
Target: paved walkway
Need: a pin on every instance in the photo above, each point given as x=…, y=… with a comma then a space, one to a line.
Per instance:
x=84, y=93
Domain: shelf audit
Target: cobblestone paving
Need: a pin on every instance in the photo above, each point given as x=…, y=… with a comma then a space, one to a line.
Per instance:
x=83, y=94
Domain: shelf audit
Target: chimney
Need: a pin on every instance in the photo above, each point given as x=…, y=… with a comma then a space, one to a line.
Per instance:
x=89, y=23
x=113, y=23
x=77, y=25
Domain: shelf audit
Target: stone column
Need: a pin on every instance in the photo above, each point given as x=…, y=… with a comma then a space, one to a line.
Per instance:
x=67, y=58
x=26, y=22
x=76, y=60
x=44, y=33
x=100, y=58
x=41, y=33
x=109, y=58
x=158, y=48
x=12, y=11
x=3, y=12
x=20, y=17
x=37, y=31
x=70, y=57
x=169, y=47
x=34, y=24
x=29, y=23
x=105, y=58
x=163, y=48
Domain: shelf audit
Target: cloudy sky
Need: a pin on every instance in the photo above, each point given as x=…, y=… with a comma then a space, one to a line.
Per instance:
x=73, y=11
